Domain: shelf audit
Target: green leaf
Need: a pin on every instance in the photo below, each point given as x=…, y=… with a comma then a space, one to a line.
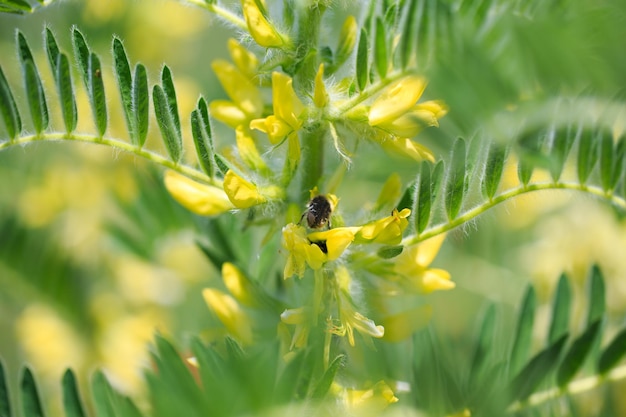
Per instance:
x=66, y=93
x=327, y=379
x=561, y=147
x=424, y=198
x=529, y=378
x=15, y=6
x=34, y=88
x=5, y=405
x=408, y=197
x=524, y=331
x=125, y=83
x=493, y=169
x=484, y=347
x=560, y=310
x=408, y=34
x=362, y=59
x=95, y=91
x=71, y=399
x=587, y=155
x=606, y=160
x=577, y=353
x=203, y=148
x=597, y=297
x=8, y=108
x=203, y=112
x=613, y=353
x=141, y=103
x=389, y=252
x=101, y=390
x=530, y=155
x=171, y=138
x=381, y=58
x=31, y=404
x=81, y=54
x=456, y=181
x=620, y=163
x=170, y=93
x=52, y=49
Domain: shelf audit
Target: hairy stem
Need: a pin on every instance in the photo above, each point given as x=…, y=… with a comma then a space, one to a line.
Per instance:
x=573, y=388
x=221, y=12
x=117, y=144
x=507, y=195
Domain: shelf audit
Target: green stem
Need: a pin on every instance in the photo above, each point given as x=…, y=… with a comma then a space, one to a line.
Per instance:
x=476, y=211
x=117, y=144
x=573, y=388
x=221, y=12
x=312, y=159
x=309, y=21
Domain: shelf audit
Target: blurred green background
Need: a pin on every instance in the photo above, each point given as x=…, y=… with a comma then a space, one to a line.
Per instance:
x=95, y=257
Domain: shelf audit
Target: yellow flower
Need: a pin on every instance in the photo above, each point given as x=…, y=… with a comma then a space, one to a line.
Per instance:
x=334, y=241
x=287, y=110
x=387, y=231
x=263, y=32
x=301, y=318
x=405, y=147
x=248, y=150
x=238, y=284
x=247, y=102
x=244, y=194
x=397, y=99
x=347, y=39
x=320, y=96
x=244, y=60
x=401, y=326
x=202, y=199
x=412, y=265
x=229, y=313
x=369, y=402
x=413, y=121
x=314, y=249
x=301, y=251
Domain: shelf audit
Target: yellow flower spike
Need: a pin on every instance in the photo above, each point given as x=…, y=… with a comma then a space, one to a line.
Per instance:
x=336, y=240
x=244, y=60
x=397, y=99
x=320, y=96
x=230, y=314
x=387, y=231
x=248, y=150
x=401, y=326
x=287, y=110
x=263, y=32
x=242, y=193
x=202, y=199
x=301, y=251
x=238, y=284
x=239, y=88
x=407, y=148
x=228, y=113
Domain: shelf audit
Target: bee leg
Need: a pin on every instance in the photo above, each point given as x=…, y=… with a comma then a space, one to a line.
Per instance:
x=302, y=217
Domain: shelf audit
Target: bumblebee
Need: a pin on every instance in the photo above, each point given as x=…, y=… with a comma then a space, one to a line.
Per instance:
x=318, y=212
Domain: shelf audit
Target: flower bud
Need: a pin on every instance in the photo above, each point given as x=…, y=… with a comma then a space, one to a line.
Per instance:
x=206, y=200
x=263, y=32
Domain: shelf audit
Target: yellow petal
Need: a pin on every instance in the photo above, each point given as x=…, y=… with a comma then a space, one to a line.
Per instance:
x=386, y=231
x=287, y=105
x=245, y=60
x=320, y=96
x=397, y=99
x=202, y=199
x=238, y=284
x=229, y=313
x=261, y=30
x=275, y=128
x=428, y=249
x=248, y=150
x=228, y=113
x=337, y=240
x=401, y=326
x=433, y=280
x=239, y=88
x=407, y=148
x=242, y=193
